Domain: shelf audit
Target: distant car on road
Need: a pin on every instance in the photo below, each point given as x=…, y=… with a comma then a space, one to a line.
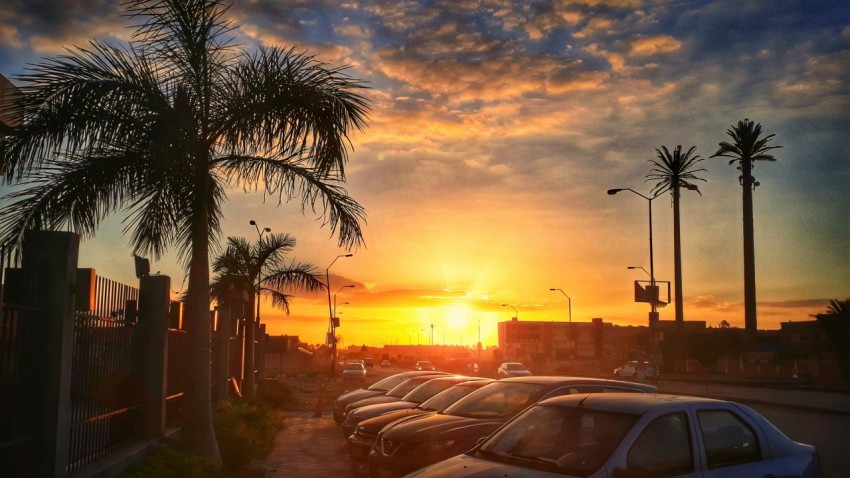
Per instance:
x=513, y=369
x=385, y=363
x=634, y=369
x=354, y=371
x=415, y=442
x=425, y=365
x=369, y=362
x=634, y=435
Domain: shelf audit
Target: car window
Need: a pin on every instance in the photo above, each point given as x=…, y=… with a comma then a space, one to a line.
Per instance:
x=407, y=386
x=663, y=448
x=727, y=439
x=559, y=439
x=497, y=400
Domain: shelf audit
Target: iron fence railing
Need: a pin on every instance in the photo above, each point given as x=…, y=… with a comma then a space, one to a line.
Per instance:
x=104, y=407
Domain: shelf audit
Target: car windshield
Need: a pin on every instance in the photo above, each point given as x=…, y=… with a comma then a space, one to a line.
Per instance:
x=515, y=366
x=354, y=366
x=497, y=400
x=572, y=441
x=388, y=383
x=407, y=386
x=427, y=390
x=440, y=401
x=424, y=364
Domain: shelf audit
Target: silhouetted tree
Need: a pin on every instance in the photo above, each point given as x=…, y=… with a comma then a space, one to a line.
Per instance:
x=748, y=146
x=835, y=323
x=672, y=172
x=159, y=129
x=262, y=267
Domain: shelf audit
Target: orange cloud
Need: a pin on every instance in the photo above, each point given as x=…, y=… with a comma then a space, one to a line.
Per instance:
x=654, y=45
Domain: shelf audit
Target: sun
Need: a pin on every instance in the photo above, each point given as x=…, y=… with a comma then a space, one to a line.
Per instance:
x=456, y=316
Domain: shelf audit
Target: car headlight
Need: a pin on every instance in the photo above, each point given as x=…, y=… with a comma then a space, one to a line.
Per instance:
x=434, y=447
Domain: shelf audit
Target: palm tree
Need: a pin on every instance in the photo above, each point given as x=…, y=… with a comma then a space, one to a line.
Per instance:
x=673, y=171
x=835, y=324
x=747, y=146
x=159, y=129
x=263, y=269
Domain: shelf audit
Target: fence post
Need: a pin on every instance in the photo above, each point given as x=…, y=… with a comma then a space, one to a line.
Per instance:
x=154, y=303
x=222, y=365
x=52, y=257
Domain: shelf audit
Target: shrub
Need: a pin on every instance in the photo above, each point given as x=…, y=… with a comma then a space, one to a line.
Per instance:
x=274, y=393
x=245, y=431
x=171, y=463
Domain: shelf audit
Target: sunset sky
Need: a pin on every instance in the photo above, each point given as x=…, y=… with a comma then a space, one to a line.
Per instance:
x=495, y=130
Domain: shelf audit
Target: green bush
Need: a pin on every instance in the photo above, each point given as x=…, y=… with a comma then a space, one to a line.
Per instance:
x=171, y=463
x=245, y=431
x=274, y=393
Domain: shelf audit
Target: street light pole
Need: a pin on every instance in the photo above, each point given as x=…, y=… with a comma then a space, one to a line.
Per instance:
x=331, y=315
x=337, y=292
x=251, y=329
x=515, y=311
x=653, y=314
x=569, y=301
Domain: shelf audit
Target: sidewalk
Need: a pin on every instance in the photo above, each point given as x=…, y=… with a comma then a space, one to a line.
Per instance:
x=308, y=447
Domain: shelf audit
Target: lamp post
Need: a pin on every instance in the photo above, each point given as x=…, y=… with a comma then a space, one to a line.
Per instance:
x=653, y=314
x=639, y=267
x=515, y=311
x=331, y=325
x=569, y=302
x=251, y=329
x=337, y=292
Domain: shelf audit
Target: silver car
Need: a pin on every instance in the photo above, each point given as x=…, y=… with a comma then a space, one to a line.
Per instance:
x=513, y=369
x=611, y=435
x=354, y=371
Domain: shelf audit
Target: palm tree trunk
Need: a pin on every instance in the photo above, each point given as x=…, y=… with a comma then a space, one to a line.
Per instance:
x=750, y=321
x=198, y=434
x=677, y=261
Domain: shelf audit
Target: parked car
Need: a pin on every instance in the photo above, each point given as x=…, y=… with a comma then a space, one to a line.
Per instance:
x=354, y=371
x=385, y=363
x=630, y=435
x=361, y=441
x=425, y=365
x=413, y=443
x=635, y=369
x=398, y=394
x=512, y=369
x=380, y=387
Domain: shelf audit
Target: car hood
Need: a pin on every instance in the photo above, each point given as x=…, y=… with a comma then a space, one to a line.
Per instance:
x=372, y=401
x=375, y=424
x=376, y=409
x=358, y=394
x=465, y=466
x=439, y=426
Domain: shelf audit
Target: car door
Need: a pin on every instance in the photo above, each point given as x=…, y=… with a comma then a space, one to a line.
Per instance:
x=731, y=445
x=665, y=448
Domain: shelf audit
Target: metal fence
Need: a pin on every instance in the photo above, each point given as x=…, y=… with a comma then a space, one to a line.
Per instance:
x=104, y=410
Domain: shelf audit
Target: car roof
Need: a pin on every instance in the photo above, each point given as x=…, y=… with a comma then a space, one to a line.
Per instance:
x=630, y=403
x=561, y=380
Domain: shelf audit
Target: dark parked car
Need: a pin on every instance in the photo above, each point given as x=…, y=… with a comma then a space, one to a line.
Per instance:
x=361, y=441
x=407, y=394
x=409, y=444
x=380, y=387
x=630, y=435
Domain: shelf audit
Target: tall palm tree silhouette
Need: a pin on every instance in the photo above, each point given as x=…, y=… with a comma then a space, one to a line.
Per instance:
x=672, y=172
x=263, y=269
x=159, y=129
x=748, y=146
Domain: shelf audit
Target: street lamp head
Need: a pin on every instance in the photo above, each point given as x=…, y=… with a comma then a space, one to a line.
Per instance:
x=631, y=267
x=348, y=255
x=553, y=290
x=252, y=222
x=267, y=229
x=612, y=192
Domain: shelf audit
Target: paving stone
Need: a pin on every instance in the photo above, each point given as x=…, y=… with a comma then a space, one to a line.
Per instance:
x=309, y=447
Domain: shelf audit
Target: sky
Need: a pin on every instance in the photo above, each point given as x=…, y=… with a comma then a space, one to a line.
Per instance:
x=496, y=128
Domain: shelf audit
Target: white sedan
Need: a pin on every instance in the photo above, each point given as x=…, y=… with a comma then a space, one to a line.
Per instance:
x=613, y=435
x=354, y=371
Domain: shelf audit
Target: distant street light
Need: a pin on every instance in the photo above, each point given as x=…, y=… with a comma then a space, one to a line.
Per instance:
x=332, y=327
x=337, y=292
x=569, y=300
x=515, y=311
x=260, y=233
x=653, y=314
x=639, y=267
